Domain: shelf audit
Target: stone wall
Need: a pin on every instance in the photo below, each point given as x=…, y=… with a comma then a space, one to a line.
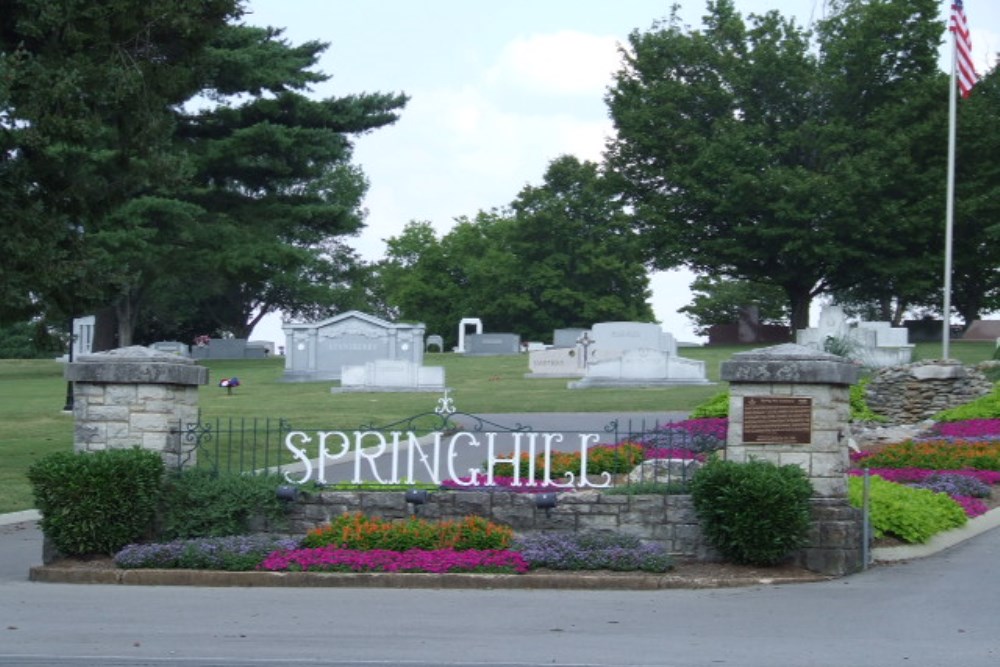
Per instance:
x=134, y=397
x=915, y=392
x=667, y=519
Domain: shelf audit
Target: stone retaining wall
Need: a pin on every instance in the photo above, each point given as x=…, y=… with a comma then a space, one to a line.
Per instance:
x=915, y=392
x=667, y=519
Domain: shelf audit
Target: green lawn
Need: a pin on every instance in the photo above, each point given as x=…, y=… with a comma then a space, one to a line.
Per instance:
x=32, y=395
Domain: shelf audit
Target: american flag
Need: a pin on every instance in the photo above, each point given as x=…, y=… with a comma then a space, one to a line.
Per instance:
x=965, y=70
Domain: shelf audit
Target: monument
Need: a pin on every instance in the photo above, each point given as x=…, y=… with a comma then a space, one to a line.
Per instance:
x=871, y=344
x=492, y=344
x=636, y=354
x=463, y=327
x=319, y=351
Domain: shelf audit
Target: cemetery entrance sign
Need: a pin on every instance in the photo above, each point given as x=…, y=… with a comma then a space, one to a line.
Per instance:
x=397, y=453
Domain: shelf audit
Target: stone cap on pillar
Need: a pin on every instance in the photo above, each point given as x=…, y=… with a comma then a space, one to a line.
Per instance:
x=789, y=364
x=136, y=365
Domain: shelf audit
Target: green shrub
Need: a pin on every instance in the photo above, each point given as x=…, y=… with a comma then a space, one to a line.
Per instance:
x=984, y=407
x=96, y=503
x=912, y=515
x=717, y=406
x=860, y=412
x=755, y=513
x=201, y=503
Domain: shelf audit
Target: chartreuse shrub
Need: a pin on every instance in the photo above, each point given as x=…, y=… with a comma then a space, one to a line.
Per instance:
x=984, y=407
x=201, y=503
x=359, y=532
x=717, y=406
x=96, y=503
x=911, y=514
x=754, y=513
x=860, y=412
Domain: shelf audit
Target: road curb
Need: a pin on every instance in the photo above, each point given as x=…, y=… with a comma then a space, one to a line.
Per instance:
x=538, y=581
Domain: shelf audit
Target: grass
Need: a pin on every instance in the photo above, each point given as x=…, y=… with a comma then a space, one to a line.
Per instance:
x=32, y=395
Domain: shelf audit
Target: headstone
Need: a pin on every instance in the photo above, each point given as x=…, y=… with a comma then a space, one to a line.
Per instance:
x=555, y=363
x=642, y=368
x=82, y=342
x=611, y=339
x=221, y=348
x=493, y=344
x=318, y=351
x=567, y=337
x=83, y=335
x=635, y=354
x=873, y=344
x=397, y=375
x=173, y=347
x=266, y=347
x=462, y=325
x=434, y=341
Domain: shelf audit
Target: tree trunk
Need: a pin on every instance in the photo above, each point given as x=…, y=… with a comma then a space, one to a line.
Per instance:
x=105, y=328
x=799, y=301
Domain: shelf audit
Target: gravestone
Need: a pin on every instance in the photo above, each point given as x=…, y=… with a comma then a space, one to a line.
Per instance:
x=611, y=339
x=636, y=354
x=873, y=344
x=557, y=362
x=493, y=344
x=257, y=349
x=567, y=337
x=173, y=347
x=318, y=351
x=82, y=340
x=462, y=328
x=395, y=375
x=221, y=348
x=434, y=341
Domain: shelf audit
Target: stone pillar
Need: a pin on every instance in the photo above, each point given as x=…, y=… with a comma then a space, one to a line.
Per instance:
x=135, y=396
x=790, y=404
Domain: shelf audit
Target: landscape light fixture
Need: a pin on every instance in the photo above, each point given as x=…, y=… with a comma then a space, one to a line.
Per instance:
x=416, y=497
x=545, y=501
x=287, y=492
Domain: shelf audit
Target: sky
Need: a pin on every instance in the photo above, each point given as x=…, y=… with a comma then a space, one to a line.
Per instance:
x=497, y=91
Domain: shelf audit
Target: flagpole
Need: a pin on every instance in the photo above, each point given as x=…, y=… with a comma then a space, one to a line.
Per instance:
x=949, y=217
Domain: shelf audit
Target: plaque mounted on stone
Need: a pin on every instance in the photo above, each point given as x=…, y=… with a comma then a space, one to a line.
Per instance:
x=778, y=420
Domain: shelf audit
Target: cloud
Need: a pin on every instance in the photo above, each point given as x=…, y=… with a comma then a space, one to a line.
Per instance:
x=560, y=63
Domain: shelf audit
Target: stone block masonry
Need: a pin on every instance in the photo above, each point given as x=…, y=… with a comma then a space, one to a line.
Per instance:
x=134, y=396
x=777, y=383
x=669, y=520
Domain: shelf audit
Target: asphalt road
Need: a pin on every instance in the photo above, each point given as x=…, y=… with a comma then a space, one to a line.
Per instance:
x=942, y=610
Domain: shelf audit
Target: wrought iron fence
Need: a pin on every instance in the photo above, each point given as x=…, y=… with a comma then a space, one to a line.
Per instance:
x=244, y=445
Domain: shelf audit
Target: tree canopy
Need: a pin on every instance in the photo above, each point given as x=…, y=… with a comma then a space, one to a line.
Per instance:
x=751, y=152
x=181, y=170
x=562, y=255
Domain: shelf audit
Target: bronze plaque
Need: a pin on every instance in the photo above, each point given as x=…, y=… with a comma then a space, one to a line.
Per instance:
x=779, y=420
